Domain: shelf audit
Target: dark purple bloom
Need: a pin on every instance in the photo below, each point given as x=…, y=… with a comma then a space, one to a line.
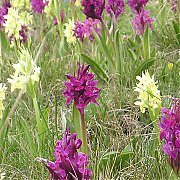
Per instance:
x=137, y=5
x=4, y=11
x=69, y=164
x=23, y=34
x=115, y=7
x=141, y=21
x=170, y=133
x=55, y=21
x=93, y=8
x=38, y=5
x=81, y=88
x=174, y=5
x=85, y=28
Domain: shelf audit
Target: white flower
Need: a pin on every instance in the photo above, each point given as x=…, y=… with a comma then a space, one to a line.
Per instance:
x=68, y=32
x=25, y=70
x=149, y=95
x=2, y=97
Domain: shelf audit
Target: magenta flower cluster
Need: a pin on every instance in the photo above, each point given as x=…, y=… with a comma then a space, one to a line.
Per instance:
x=174, y=5
x=38, y=5
x=23, y=34
x=81, y=88
x=115, y=8
x=85, y=28
x=137, y=5
x=170, y=133
x=142, y=17
x=4, y=11
x=93, y=8
x=69, y=164
x=141, y=20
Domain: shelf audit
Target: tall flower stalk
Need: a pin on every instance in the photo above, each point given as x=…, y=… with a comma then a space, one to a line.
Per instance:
x=69, y=164
x=81, y=89
x=149, y=96
x=170, y=133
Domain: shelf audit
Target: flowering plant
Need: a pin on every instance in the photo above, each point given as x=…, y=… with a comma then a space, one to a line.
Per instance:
x=68, y=164
x=170, y=133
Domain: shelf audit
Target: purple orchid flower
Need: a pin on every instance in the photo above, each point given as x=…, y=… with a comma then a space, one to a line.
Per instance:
x=69, y=164
x=115, y=7
x=93, y=8
x=85, y=28
x=170, y=133
x=4, y=11
x=81, y=89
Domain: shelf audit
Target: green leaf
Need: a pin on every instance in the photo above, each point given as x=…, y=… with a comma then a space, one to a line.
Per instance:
x=119, y=53
x=2, y=129
x=177, y=30
x=132, y=54
x=146, y=44
x=29, y=138
x=143, y=66
x=118, y=157
x=95, y=68
x=105, y=49
x=4, y=42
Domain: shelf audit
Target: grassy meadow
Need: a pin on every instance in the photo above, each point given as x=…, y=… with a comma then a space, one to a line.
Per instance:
x=123, y=143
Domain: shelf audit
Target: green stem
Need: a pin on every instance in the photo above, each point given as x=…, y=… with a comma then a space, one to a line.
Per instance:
x=84, y=135
x=38, y=118
x=109, y=36
x=80, y=128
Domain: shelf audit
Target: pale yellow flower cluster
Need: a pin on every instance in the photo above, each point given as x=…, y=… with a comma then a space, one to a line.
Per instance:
x=149, y=95
x=15, y=20
x=2, y=97
x=21, y=4
x=25, y=70
x=77, y=3
x=68, y=32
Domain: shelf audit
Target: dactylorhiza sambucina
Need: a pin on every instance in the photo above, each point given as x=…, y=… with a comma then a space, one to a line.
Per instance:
x=141, y=21
x=21, y=4
x=3, y=11
x=25, y=70
x=81, y=88
x=115, y=8
x=16, y=24
x=149, y=95
x=68, y=32
x=38, y=5
x=2, y=98
x=69, y=164
x=137, y=5
x=93, y=8
x=85, y=29
x=170, y=133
